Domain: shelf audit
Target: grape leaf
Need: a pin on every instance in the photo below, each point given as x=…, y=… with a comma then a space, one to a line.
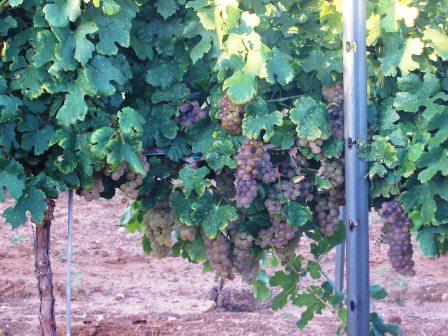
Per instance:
x=123, y=152
x=259, y=119
x=32, y=200
x=220, y=155
x=39, y=139
x=437, y=39
x=289, y=285
x=395, y=11
x=9, y=108
x=166, y=8
x=279, y=68
x=311, y=118
x=398, y=53
x=194, y=180
x=12, y=179
x=218, y=219
x=74, y=109
x=131, y=122
x=62, y=12
x=241, y=87
x=297, y=214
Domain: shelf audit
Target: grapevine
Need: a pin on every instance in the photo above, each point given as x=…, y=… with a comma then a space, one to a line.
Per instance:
x=214, y=129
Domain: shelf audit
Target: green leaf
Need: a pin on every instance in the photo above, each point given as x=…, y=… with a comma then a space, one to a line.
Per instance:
x=258, y=119
x=100, y=140
x=261, y=291
x=437, y=39
x=297, y=214
x=434, y=161
x=123, y=152
x=33, y=200
x=39, y=139
x=166, y=8
x=9, y=108
x=395, y=11
x=220, y=155
x=12, y=180
x=15, y=3
x=218, y=219
x=289, y=285
x=84, y=48
x=196, y=250
x=377, y=292
x=279, y=68
x=194, y=180
x=427, y=242
x=113, y=29
x=311, y=118
x=62, y=12
x=241, y=87
x=74, y=109
x=130, y=122
x=283, y=137
x=100, y=72
x=398, y=53
x=325, y=64
x=201, y=48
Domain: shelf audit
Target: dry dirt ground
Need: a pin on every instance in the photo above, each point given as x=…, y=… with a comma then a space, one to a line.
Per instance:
x=120, y=291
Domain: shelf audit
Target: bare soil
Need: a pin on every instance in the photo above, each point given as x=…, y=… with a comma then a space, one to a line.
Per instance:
x=120, y=291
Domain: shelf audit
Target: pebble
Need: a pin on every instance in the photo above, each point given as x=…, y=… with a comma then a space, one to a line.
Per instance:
x=119, y=296
x=172, y=318
x=444, y=297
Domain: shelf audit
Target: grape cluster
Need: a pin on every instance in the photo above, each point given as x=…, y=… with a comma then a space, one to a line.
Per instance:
x=327, y=210
x=48, y=214
x=253, y=165
x=230, y=116
x=93, y=194
x=278, y=235
x=159, y=225
x=190, y=112
x=243, y=259
x=186, y=232
x=334, y=95
x=132, y=180
x=219, y=256
x=333, y=171
x=396, y=234
x=315, y=146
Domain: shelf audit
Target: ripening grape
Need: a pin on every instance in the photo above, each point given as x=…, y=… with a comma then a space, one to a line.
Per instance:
x=278, y=235
x=333, y=94
x=253, y=165
x=93, y=194
x=159, y=224
x=230, y=116
x=396, y=234
x=186, y=232
x=333, y=171
x=133, y=181
x=190, y=113
x=244, y=262
x=327, y=210
x=315, y=146
x=219, y=256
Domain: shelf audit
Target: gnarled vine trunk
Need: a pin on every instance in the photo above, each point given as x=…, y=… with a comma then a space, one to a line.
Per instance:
x=44, y=274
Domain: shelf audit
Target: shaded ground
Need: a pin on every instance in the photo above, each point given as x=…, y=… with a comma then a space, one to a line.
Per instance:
x=120, y=291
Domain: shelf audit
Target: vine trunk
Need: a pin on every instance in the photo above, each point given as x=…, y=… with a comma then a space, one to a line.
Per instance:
x=44, y=277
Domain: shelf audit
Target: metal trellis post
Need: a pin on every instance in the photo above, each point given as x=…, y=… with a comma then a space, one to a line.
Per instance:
x=340, y=259
x=68, y=287
x=356, y=189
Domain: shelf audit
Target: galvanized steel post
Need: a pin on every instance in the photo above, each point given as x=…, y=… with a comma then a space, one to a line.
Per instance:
x=356, y=188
